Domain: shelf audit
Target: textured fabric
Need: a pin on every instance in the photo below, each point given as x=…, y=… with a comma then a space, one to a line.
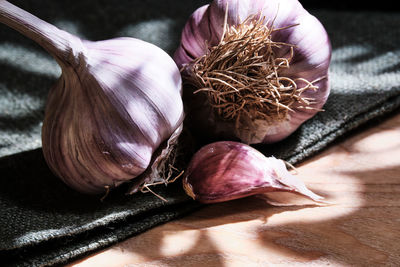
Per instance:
x=43, y=222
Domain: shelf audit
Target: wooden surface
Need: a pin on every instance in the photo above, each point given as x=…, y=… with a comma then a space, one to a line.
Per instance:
x=359, y=176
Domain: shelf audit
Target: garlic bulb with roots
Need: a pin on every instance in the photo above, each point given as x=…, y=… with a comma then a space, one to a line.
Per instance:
x=255, y=70
x=116, y=105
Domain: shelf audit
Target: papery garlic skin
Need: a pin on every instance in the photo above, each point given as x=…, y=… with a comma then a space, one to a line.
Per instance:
x=312, y=54
x=103, y=125
x=226, y=170
x=116, y=103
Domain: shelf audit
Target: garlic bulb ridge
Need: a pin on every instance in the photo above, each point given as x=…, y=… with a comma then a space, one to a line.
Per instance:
x=257, y=68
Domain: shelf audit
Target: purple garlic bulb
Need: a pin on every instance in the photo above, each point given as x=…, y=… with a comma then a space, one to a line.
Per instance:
x=254, y=70
x=116, y=104
x=226, y=170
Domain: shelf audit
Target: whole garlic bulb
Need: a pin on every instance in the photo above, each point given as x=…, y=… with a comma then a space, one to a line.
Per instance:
x=258, y=68
x=116, y=102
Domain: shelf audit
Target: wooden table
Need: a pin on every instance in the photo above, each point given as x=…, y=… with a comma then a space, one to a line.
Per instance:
x=360, y=176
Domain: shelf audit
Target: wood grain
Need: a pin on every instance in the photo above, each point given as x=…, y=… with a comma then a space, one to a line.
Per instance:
x=359, y=176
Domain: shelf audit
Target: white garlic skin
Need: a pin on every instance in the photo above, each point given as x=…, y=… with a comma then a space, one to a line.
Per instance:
x=106, y=117
x=312, y=55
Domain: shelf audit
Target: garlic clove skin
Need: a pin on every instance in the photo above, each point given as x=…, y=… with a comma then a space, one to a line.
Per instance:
x=116, y=103
x=226, y=170
x=311, y=60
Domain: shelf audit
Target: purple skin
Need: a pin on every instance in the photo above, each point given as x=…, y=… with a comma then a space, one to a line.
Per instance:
x=311, y=60
x=227, y=170
x=107, y=114
x=108, y=141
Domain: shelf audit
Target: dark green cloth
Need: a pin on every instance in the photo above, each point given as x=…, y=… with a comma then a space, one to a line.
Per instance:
x=43, y=222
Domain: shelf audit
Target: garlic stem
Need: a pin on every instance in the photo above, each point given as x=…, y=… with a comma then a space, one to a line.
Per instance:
x=64, y=47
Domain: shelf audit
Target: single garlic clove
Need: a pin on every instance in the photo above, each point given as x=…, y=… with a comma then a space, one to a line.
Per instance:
x=300, y=47
x=116, y=103
x=226, y=170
